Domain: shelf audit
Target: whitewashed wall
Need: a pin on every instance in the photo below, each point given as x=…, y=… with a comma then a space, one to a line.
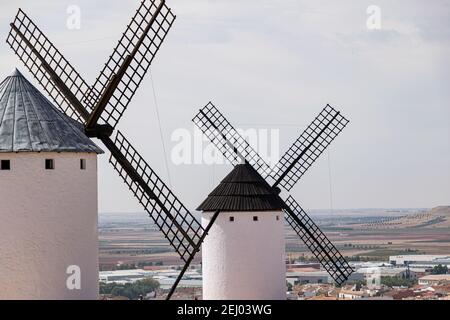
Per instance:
x=48, y=221
x=244, y=259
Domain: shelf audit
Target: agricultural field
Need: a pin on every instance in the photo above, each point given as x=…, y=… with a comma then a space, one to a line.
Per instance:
x=359, y=234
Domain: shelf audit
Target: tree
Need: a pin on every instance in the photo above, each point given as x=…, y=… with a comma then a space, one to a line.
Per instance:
x=130, y=290
x=439, y=269
x=289, y=286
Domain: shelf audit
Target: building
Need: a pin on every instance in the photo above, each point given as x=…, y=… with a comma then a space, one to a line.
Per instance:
x=166, y=277
x=243, y=254
x=434, y=279
x=48, y=197
x=166, y=283
x=304, y=277
x=420, y=260
x=125, y=276
x=351, y=295
x=374, y=273
x=400, y=294
x=357, y=292
x=313, y=276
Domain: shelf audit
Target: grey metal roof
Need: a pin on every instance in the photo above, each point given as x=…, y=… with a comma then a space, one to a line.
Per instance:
x=243, y=189
x=31, y=123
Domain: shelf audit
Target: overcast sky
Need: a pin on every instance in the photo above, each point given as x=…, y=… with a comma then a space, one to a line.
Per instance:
x=275, y=64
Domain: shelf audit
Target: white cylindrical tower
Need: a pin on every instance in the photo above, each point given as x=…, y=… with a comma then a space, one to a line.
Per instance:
x=48, y=199
x=243, y=255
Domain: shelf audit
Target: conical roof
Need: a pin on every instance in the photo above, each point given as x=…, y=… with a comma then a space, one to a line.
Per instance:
x=31, y=123
x=243, y=189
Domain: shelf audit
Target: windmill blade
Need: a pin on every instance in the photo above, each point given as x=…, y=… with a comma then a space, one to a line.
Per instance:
x=308, y=147
x=317, y=242
x=226, y=138
x=130, y=61
x=177, y=224
x=54, y=73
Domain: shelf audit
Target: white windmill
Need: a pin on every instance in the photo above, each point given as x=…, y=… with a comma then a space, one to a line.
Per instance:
x=49, y=211
x=243, y=254
x=48, y=199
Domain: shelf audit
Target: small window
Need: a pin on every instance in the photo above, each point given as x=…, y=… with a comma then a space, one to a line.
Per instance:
x=255, y=218
x=82, y=164
x=231, y=219
x=5, y=165
x=278, y=218
x=49, y=164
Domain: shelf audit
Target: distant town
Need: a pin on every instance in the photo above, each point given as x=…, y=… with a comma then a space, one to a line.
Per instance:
x=397, y=254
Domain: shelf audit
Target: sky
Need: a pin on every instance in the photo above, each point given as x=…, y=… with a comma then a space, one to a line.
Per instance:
x=274, y=65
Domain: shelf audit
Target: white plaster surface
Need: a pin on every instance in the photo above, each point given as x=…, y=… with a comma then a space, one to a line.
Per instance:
x=48, y=221
x=244, y=259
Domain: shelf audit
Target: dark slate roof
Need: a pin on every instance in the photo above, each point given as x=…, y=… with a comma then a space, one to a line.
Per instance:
x=31, y=123
x=243, y=189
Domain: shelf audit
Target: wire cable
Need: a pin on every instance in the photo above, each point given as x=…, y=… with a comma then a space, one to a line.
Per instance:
x=160, y=129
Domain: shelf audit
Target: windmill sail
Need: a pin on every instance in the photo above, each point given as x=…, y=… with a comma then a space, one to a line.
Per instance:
x=177, y=224
x=317, y=242
x=131, y=58
x=308, y=147
x=48, y=65
x=222, y=134
x=226, y=138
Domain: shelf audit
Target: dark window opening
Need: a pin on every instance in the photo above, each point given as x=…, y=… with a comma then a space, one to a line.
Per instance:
x=83, y=164
x=49, y=164
x=5, y=165
x=278, y=218
x=231, y=219
x=255, y=218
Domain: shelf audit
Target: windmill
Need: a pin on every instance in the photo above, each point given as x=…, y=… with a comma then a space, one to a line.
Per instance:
x=98, y=109
x=48, y=198
x=292, y=166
